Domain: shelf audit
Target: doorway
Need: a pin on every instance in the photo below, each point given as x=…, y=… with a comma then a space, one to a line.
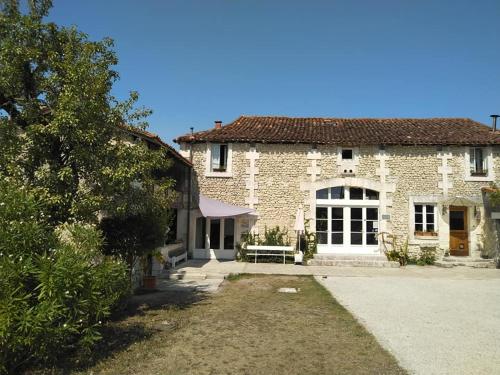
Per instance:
x=459, y=235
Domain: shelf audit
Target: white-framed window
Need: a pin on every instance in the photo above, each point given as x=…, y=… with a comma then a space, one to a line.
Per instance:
x=219, y=160
x=478, y=161
x=425, y=219
x=479, y=164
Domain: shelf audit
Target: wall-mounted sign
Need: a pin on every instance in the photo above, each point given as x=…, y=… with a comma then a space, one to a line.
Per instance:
x=495, y=215
x=386, y=217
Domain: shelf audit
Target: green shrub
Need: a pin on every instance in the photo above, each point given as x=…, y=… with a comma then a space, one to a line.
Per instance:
x=311, y=245
x=398, y=251
x=427, y=256
x=56, y=288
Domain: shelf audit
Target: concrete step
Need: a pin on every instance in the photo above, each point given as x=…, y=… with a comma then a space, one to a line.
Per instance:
x=449, y=262
x=343, y=260
x=189, y=275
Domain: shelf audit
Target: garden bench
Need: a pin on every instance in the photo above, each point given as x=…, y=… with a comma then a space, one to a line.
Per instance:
x=266, y=250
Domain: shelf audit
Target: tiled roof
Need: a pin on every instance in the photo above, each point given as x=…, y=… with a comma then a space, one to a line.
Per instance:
x=350, y=132
x=154, y=138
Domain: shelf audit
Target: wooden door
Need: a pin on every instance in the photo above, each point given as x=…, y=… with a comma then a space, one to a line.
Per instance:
x=459, y=236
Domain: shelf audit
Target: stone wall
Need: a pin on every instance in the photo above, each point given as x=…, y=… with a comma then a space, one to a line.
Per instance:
x=276, y=179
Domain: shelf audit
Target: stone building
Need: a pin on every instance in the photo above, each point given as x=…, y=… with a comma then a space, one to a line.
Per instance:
x=418, y=179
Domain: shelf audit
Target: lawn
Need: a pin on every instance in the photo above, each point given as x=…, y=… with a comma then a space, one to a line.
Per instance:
x=247, y=327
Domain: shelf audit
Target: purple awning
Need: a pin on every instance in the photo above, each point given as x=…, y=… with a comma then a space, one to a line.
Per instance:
x=214, y=208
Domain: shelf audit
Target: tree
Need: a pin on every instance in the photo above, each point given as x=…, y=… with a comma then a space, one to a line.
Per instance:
x=58, y=120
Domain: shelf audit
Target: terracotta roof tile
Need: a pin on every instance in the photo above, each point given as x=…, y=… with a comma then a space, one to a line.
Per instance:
x=155, y=139
x=350, y=132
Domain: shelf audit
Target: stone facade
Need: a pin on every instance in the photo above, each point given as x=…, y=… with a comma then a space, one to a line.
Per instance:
x=277, y=179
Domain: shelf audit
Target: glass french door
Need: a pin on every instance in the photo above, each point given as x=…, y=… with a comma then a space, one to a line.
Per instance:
x=347, y=228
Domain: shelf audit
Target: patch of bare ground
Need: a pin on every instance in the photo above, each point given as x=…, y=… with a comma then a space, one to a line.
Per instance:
x=245, y=328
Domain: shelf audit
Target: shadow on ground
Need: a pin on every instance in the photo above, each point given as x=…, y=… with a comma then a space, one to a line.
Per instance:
x=129, y=327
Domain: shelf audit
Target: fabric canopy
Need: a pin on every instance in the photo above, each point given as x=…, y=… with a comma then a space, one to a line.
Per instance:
x=214, y=208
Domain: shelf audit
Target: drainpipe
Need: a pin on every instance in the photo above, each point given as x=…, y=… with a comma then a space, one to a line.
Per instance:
x=188, y=226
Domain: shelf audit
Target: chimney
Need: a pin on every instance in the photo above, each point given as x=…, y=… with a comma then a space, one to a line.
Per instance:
x=218, y=124
x=494, y=117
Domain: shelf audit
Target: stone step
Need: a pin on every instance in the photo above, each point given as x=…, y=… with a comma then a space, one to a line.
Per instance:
x=466, y=260
x=359, y=257
x=483, y=263
x=190, y=275
x=353, y=263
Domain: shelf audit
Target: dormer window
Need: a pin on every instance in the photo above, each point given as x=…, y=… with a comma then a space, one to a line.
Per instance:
x=478, y=162
x=219, y=158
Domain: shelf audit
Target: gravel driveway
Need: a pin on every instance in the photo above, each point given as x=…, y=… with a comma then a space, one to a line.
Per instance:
x=432, y=325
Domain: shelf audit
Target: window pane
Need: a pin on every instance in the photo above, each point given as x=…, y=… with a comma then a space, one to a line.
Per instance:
x=223, y=158
x=372, y=213
x=356, y=193
x=356, y=238
x=321, y=213
x=215, y=234
x=457, y=221
x=430, y=227
x=337, y=238
x=418, y=208
x=371, y=195
x=322, y=194
x=418, y=218
x=429, y=208
x=322, y=237
x=371, y=227
x=356, y=213
x=429, y=218
x=200, y=233
x=337, y=225
x=356, y=225
x=229, y=234
x=321, y=225
x=371, y=239
x=337, y=212
x=346, y=154
x=337, y=192
x=419, y=227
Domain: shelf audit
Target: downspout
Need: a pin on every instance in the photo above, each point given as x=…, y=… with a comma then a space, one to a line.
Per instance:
x=188, y=226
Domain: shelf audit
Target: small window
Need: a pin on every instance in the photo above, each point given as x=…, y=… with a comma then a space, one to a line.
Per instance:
x=425, y=220
x=478, y=162
x=219, y=158
x=346, y=154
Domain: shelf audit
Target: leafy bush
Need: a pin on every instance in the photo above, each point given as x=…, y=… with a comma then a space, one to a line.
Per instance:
x=398, y=251
x=311, y=245
x=56, y=287
x=427, y=256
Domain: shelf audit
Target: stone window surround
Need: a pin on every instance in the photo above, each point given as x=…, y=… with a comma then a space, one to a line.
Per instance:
x=489, y=160
x=347, y=163
x=208, y=160
x=424, y=200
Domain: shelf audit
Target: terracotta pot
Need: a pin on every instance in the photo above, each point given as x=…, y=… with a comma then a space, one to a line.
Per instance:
x=149, y=282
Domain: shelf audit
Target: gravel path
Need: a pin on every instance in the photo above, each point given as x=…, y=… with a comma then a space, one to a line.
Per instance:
x=431, y=325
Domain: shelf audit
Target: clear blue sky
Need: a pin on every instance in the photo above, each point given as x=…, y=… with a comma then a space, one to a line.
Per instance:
x=194, y=62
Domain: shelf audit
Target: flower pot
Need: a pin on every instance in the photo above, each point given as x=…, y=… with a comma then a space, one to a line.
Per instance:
x=298, y=257
x=149, y=282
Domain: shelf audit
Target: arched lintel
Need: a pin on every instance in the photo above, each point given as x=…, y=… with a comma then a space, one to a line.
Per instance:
x=350, y=181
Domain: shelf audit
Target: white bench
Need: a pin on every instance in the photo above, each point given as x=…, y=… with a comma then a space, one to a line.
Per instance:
x=265, y=250
x=176, y=259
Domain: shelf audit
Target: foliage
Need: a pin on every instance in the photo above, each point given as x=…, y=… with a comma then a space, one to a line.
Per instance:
x=271, y=237
x=58, y=120
x=398, y=251
x=427, y=256
x=494, y=195
x=56, y=287
x=311, y=242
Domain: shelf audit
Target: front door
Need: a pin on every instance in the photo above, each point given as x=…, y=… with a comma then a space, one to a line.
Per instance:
x=459, y=237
